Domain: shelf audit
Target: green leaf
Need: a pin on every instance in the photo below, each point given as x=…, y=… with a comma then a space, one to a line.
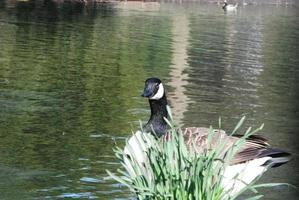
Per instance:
x=238, y=125
x=255, y=197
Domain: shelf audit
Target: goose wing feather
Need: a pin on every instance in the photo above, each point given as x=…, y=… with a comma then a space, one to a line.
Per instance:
x=254, y=147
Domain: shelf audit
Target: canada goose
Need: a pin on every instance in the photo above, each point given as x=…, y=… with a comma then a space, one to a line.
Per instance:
x=229, y=7
x=252, y=160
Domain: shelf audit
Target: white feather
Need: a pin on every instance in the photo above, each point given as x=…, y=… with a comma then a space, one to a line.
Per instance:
x=160, y=93
x=235, y=177
x=136, y=148
x=230, y=7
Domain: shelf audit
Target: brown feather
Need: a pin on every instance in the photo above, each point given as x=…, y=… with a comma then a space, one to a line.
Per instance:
x=253, y=147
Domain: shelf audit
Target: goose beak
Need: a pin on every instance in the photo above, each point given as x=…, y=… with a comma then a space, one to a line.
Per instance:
x=146, y=93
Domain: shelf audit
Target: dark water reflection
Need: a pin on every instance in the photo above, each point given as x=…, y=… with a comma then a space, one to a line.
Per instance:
x=70, y=79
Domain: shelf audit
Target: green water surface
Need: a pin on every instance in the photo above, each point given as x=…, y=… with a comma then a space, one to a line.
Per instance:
x=71, y=78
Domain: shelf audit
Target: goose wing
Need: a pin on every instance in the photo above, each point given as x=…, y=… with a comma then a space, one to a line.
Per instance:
x=255, y=146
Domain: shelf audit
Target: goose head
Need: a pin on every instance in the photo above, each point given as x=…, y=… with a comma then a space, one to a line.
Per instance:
x=155, y=93
x=153, y=89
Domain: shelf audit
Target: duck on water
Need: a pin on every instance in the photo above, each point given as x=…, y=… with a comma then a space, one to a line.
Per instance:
x=251, y=161
x=229, y=7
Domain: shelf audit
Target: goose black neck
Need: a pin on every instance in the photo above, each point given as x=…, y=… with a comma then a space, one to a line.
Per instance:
x=156, y=124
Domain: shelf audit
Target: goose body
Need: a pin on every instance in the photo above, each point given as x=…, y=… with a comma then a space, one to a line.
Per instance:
x=251, y=161
x=229, y=7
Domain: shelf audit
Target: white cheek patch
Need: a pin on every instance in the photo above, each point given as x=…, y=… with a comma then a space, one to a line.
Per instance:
x=160, y=93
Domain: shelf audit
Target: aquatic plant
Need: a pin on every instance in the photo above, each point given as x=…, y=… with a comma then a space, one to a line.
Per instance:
x=173, y=170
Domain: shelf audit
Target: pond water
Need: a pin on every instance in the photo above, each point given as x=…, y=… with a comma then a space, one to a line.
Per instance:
x=71, y=78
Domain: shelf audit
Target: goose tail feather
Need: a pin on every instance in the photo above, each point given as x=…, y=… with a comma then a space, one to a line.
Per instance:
x=278, y=157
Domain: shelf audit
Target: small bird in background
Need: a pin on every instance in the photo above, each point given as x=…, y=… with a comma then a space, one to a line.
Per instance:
x=229, y=7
